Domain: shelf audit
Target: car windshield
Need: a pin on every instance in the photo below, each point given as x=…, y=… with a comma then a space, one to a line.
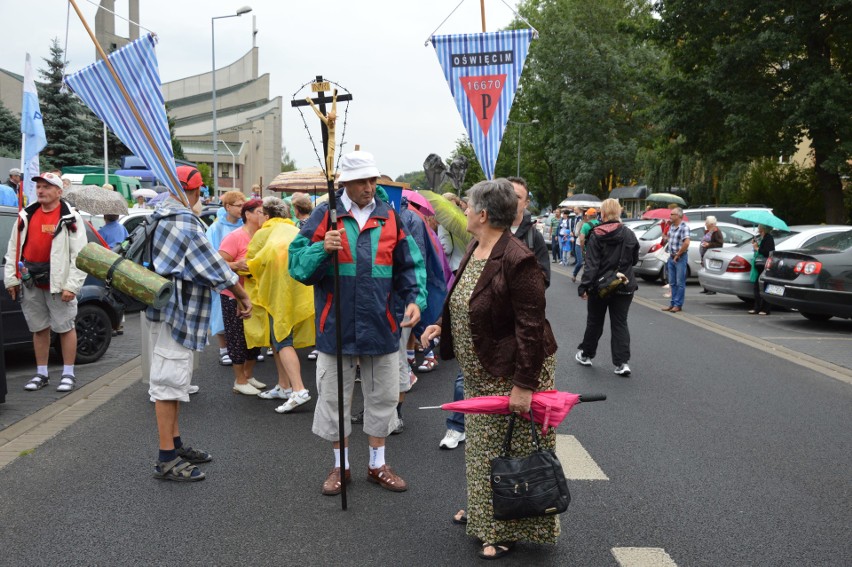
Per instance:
x=653, y=233
x=839, y=242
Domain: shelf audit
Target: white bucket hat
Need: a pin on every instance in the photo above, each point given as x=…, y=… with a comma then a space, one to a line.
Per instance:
x=357, y=165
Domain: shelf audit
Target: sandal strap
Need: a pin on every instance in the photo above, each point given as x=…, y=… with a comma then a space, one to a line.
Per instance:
x=68, y=379
x=39, y=378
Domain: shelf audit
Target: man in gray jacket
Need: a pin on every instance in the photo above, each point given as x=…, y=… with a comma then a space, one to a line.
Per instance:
x=49, y=235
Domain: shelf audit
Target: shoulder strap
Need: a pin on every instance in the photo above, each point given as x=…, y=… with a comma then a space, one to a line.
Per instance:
x=530, y=237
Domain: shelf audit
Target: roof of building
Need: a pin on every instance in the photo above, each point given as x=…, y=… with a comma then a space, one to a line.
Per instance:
x=205, y=148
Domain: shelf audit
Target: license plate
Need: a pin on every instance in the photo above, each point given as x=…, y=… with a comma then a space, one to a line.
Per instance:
x=714, y=264
x=774, y=289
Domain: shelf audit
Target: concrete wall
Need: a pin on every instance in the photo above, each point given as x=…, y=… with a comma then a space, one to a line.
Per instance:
x=241, y=71
x=251, y=92
x=12, y=91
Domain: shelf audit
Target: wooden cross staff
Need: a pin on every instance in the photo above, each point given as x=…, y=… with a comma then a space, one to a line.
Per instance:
x=327, y=119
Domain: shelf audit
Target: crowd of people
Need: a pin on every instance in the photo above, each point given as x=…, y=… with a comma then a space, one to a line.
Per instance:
x=258, y=283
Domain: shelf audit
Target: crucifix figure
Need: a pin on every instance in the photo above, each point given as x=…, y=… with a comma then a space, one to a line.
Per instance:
x=328, y=119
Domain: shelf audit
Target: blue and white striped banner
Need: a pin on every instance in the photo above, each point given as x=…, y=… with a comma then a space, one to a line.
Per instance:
x=136, y=67
x=483, y=70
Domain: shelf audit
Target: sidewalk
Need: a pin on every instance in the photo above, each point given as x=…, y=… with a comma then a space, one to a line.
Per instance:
x=20, y=367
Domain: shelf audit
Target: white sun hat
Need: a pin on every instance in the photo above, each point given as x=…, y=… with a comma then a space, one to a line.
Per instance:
x=357, y=165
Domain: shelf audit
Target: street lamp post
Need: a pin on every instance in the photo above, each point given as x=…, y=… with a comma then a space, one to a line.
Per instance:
x=520, y=126
x=233, y=165
x=240, y=12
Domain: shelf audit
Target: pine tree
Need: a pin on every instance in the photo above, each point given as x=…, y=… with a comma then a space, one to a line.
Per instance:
x=10, y=129
x=67, y=123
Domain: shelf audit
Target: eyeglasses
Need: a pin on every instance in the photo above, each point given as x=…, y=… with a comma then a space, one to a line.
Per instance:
x=240, y=205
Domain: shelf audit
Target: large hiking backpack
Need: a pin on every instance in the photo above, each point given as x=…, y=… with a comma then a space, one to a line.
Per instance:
x=138, y=246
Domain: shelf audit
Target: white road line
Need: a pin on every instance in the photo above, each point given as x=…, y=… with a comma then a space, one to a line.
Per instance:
x=642, y=557
x=576, y=461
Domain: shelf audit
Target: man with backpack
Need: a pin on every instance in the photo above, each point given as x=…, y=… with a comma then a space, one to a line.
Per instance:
x=180, y=252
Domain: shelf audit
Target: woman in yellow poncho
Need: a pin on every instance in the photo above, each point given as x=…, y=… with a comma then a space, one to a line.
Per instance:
x=283, y=314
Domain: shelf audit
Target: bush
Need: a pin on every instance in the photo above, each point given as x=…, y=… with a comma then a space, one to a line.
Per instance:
x=791, y=191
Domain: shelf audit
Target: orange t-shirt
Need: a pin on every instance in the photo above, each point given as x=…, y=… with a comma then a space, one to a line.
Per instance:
x=40, y=235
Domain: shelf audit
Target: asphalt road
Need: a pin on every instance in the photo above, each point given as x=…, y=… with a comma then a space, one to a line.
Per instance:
x=714, y=451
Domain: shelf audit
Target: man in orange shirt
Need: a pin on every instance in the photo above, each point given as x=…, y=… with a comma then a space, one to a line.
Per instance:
x=50, y=233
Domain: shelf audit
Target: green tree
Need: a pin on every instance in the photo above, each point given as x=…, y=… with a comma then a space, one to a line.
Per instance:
x=474, y=172
x=10, y=129
x=287, y=162
x=586, y=82
x=67, y=123
x=206, y=174
x=790, y=188
x=750, y=79
x=417, y=179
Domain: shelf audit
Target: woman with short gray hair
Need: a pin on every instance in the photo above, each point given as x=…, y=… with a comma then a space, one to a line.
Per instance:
x=713, y=238
x=502, y=352
x=276, y=208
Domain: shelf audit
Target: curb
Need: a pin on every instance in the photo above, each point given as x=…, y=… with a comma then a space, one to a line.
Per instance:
x=23, y=437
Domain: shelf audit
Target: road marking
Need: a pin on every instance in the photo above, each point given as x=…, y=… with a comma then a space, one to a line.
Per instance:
x=810, y=362
x=642, y=557
x=813, y=338
x=576, y=461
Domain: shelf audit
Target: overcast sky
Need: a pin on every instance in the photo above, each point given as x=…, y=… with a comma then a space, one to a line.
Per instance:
x=402, y=108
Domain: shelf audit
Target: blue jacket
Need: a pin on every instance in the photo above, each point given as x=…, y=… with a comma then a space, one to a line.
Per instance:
x=376, y=264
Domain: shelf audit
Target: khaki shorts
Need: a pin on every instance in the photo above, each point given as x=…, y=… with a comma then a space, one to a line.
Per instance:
x=43, y=310
x=379, y=384
x=171, y=363
x=404, y=368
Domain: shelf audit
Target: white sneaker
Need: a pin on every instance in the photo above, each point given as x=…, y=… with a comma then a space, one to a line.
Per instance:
x=225, y=360
x=193, y=389
x=452, y=439
x=246, y=389
x=313, y=355
x=582, y=359
x=256, y=383
x=622, y=370
x=270, y=352
x=297, y=399
x=276, y=393
x=667, y=286
x=260, y=357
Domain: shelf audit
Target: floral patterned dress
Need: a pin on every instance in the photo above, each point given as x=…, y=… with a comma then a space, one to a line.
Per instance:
x=485, y=433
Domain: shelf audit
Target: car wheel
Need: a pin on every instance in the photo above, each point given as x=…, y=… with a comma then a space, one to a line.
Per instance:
x=94, y=333
x=816, y=316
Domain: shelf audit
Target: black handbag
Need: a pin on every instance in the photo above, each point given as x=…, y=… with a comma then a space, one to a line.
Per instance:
x=527, y=487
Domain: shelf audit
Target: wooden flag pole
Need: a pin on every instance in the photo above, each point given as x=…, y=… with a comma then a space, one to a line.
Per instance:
x=482, y=12
x=172, y=177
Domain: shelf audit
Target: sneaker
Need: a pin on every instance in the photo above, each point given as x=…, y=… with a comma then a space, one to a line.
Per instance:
x=297, y=399
x=260, y=358
x=582, y=358
x=452, y=439
x=276, y=393
x=313, y=355
x=396, y=425
x=193, y=456
x=225, y=360
x=622, y=370
x=193, y=389
x=246, y=389
x=358, y=373
x=256, y=383
x=667, y=286
x=667, y=294
x=66, y=384
x=270, y=352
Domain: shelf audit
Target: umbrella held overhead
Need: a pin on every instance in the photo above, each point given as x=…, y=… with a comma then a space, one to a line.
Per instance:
x=97, y=200
x=761, y=216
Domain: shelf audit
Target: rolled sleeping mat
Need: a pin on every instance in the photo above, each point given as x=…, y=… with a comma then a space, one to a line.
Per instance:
x=125, y=276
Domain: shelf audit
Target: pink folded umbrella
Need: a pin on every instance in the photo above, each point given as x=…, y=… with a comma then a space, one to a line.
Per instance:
x=549, y=408
x=418, y=200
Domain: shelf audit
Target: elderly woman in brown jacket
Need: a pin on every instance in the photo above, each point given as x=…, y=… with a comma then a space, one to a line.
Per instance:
x=494, y=322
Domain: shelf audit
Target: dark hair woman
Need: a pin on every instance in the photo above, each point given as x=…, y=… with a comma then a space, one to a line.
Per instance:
x=505, y=351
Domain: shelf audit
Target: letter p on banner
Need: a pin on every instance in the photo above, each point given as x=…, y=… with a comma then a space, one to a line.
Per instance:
x=483, y=71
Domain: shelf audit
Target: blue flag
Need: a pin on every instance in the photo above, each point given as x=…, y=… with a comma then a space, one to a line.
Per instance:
x=32, y=128
x=483, y=70
x=137, y=69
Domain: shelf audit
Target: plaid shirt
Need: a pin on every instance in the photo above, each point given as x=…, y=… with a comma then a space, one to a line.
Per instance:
x=676, y=237
x=182, y=253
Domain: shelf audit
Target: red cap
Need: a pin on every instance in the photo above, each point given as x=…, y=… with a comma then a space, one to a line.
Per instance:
x=189, y=177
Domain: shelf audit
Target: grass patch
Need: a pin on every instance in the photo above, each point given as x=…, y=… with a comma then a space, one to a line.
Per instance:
x=26, y=452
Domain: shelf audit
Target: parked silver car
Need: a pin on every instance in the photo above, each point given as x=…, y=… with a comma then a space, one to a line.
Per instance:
x=728, y=270
x=650, y=268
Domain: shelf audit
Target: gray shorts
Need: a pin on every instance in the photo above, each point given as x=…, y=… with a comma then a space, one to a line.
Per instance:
x=404, y=368
x=43, y=310
x=379, y=384
x=171, y=363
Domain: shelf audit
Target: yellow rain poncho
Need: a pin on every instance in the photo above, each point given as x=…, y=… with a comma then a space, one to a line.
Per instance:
x=273, y=292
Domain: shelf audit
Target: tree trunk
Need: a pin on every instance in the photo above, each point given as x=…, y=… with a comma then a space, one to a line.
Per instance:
x=832, y=191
